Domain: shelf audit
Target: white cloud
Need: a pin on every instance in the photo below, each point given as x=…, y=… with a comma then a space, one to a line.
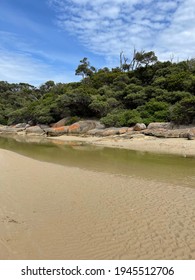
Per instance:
x=106, y=27
x=21, y=62
x=20, y=67
x=179, y=37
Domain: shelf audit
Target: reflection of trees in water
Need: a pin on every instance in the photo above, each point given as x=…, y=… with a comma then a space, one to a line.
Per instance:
x=172, y=169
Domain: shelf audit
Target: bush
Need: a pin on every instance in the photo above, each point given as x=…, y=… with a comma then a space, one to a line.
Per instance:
x=183, y=112
x=154, y=111
x=172, y=97
x=133, y=100
x=121, y=118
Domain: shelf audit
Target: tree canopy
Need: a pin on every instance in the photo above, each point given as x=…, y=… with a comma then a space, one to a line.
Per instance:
x=142, y=89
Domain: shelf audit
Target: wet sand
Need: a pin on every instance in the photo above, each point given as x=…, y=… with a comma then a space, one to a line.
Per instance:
x=177, y=146
x=49, y=211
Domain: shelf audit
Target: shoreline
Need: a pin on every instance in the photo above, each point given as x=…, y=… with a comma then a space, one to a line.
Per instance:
x=141, y=143
x=162, y=138
x=173, y=146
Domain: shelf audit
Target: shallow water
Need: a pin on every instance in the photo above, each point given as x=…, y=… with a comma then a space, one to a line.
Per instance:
x=163, y=168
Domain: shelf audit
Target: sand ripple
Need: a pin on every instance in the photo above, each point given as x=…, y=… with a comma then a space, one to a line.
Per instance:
x=55, y=212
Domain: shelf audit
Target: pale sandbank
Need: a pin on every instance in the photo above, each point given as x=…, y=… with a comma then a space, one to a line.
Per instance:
x=49, y=211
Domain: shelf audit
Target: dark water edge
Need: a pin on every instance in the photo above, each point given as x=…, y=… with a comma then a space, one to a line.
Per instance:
x=163, y=168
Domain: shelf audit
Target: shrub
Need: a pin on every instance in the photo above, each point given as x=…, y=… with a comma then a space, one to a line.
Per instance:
x=154, y=111
x=183, y=112
x=121, y=118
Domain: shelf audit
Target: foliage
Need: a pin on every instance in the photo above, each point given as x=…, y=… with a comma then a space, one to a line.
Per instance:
x=120, y=118
x=142, y=89
x=154, y=111
x=85, y=69
x=183, y=112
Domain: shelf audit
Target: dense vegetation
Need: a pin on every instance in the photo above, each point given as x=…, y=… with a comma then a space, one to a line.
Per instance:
x=144, y=90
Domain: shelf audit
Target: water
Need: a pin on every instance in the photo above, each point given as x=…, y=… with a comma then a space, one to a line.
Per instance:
x=162, y=168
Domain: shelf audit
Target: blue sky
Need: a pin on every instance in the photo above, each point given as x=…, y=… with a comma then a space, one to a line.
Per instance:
x=43, y=40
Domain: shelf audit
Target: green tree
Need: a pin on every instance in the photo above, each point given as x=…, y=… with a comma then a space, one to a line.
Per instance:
x=85, y=69
x=183, y=112
x=120, y=118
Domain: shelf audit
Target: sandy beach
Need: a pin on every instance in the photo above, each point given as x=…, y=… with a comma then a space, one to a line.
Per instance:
x=177, y=146
x=49, y=211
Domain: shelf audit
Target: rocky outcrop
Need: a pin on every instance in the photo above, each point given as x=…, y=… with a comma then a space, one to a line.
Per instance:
x=56, y=131
x=191, y=134
x=61, y=122
x=95, y=128
x=160, y=125
x=171, y=133
x=83, y=126
x=114, y=131
x=108, y=131
x=95, y=132
x=22, y=125
x=11, y=129
x=35, y=131
x=8, y=130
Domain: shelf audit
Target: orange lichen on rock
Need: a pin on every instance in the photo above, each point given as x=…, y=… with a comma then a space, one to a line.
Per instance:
x=61, y=128
x=74, y=127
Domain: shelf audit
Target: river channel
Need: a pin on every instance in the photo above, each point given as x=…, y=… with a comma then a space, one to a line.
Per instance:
x=164, y=168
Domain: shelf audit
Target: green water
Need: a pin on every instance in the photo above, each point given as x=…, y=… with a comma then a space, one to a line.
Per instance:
x=163, y=168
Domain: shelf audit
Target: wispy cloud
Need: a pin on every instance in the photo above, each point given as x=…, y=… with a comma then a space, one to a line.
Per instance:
x=179, y=37
x=106, y=27
x=18, y=67
x=21, y=62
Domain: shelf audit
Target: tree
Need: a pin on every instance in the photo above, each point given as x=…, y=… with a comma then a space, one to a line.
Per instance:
x=124, y=66
x=85, y=69
x=46, y=87
x=139, y=59
x=183, y=112
x=145, y=58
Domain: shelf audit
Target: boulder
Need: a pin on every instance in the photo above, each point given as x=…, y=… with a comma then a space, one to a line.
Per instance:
x=123, y=130
x=44, y=126
x=95, y=132
x=162, y=133
x=61, y=123
x=190, y=136
x=139, y=127
x=160, y=125
x=171, y=133
x=35, y=131
x=99, y=125
x=83, y=126
x=114, y=131
x=110, y=131
x=21, y=125
x=56, y=131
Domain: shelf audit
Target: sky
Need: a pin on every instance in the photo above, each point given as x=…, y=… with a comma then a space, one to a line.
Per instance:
x=42, y=40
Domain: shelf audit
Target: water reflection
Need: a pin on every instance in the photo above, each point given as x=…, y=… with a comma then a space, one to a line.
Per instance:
x=163, y=168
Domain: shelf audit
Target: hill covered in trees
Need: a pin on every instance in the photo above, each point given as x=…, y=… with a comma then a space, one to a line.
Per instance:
x=145, y=90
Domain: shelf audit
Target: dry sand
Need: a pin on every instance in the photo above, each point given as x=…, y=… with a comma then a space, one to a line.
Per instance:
x=49, y=211
x=179, y=146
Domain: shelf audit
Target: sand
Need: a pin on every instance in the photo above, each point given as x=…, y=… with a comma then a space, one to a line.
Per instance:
x=177, y=146
x=49, y=211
